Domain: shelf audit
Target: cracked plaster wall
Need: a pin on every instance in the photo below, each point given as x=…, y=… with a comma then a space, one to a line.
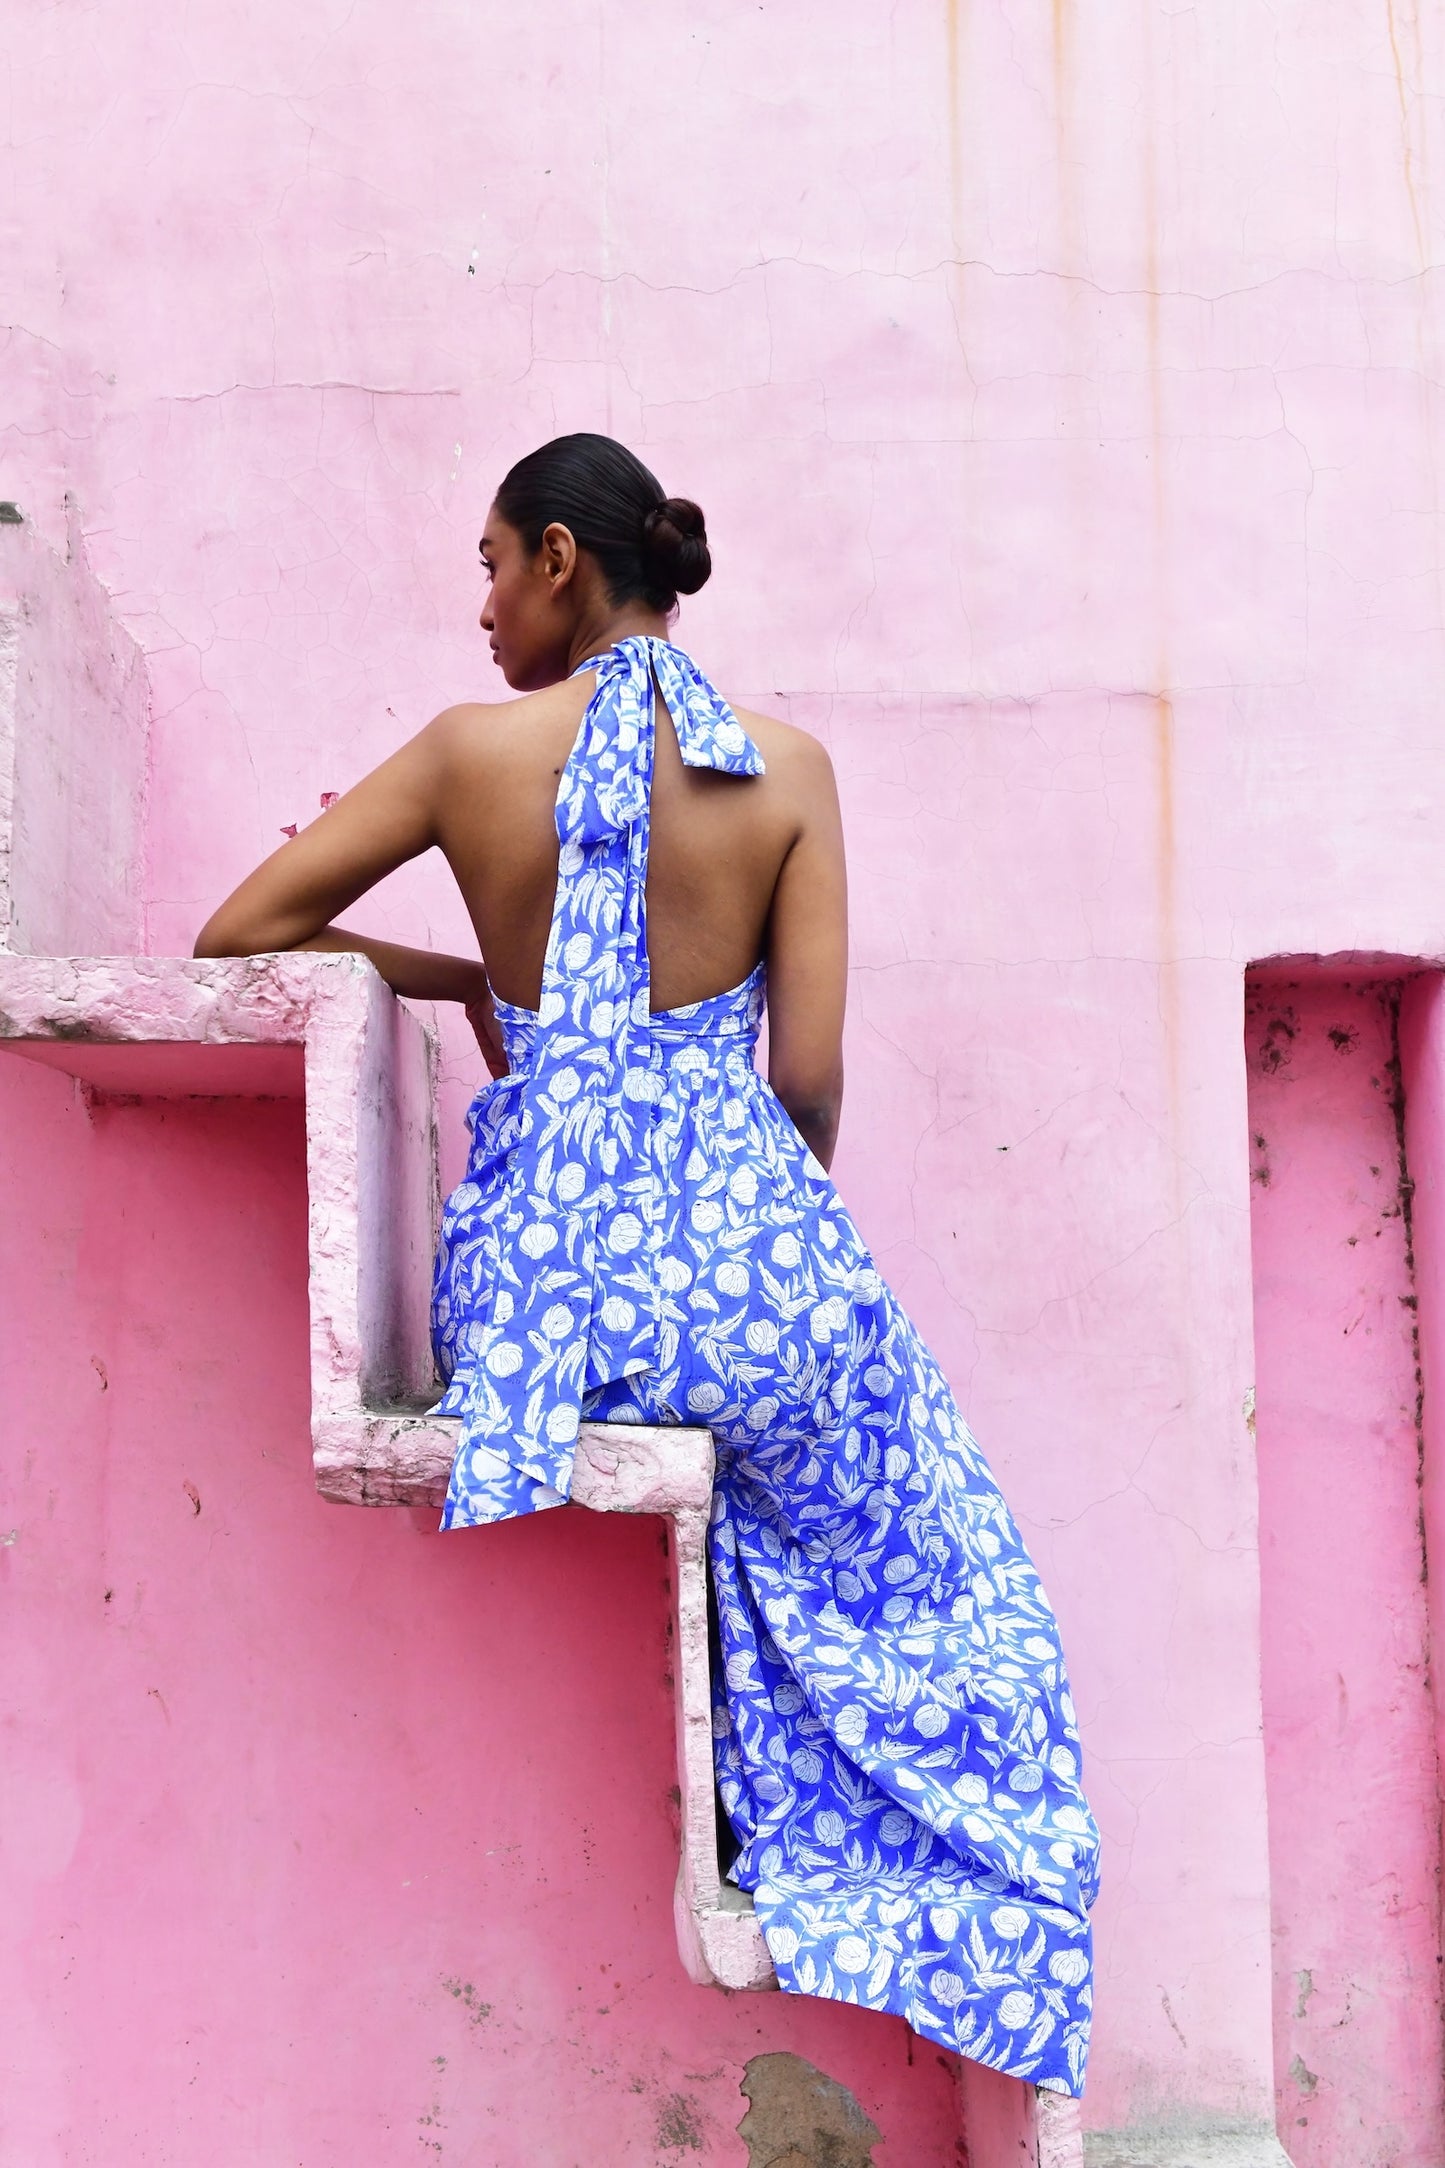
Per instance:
x=1062, y=387
x=74, y=712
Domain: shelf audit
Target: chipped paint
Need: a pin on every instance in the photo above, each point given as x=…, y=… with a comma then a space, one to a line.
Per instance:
x=799, y=2117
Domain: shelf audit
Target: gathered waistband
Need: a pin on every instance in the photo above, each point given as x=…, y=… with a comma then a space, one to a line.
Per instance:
x=734, y=1014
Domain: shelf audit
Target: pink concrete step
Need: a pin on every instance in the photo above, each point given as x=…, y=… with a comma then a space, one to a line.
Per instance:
x=326, y=1028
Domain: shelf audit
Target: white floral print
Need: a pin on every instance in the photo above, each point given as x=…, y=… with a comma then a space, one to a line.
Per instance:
x=643, y=1236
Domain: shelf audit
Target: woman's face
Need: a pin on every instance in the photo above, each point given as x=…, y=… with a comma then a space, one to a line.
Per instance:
x=526, y=614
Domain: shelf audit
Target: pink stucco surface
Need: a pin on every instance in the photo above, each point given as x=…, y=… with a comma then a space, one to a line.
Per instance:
x=1354, y=1789
x=1422, y=1065
x=74, y=716
x=325, y=1031
x=1063, y=389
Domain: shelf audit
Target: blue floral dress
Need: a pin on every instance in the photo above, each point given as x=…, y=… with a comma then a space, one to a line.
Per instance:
x=643, y=1236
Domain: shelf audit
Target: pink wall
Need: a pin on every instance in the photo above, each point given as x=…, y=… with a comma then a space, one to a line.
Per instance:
x=74, y=719
x=1063, y=389
x=1354, y=1801
x=1422, y=1064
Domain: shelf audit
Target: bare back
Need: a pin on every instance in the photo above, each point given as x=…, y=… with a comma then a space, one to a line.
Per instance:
x=741, y=869
x=719, y=842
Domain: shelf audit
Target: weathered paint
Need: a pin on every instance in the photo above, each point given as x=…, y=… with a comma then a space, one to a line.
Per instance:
x=74, y=717
x=1422, y=1077
x=1354, y=1786
x=798, y=2116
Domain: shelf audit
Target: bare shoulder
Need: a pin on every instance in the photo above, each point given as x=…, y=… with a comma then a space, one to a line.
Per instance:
x=476, y=726
x=792, y=755
x=501, y=731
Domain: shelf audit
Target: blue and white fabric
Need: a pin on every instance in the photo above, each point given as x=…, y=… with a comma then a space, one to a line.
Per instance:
x=643, y=1236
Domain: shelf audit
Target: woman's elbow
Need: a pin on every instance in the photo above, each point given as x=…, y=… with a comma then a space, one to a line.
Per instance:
x=219, y=937
x=814, y=1112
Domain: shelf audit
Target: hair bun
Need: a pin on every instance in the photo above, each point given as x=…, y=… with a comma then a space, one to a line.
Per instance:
x=674, y=545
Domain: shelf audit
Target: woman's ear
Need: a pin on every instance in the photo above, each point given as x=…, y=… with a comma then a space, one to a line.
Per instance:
x=559, y=555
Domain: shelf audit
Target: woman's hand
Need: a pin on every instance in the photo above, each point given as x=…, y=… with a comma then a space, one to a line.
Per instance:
x=482, y=1017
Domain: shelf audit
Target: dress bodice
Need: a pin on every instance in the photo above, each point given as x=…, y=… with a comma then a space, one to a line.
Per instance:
x=574, y=1118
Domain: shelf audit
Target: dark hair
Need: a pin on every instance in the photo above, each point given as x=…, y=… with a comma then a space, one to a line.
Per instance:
x=651, y=548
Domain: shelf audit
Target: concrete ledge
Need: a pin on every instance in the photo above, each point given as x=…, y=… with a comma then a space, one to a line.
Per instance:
x=366, y=1458
x=326, y=1028
x=1058, y=2135
x=1204, y=2146
x=322, y=1027
x=1009, y=2124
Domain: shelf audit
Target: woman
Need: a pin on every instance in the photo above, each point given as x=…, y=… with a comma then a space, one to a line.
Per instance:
x=647, y=1233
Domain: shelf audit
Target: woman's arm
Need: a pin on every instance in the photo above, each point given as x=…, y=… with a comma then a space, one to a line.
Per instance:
x=422, y=974
x=808, y=963
x=290, y=901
